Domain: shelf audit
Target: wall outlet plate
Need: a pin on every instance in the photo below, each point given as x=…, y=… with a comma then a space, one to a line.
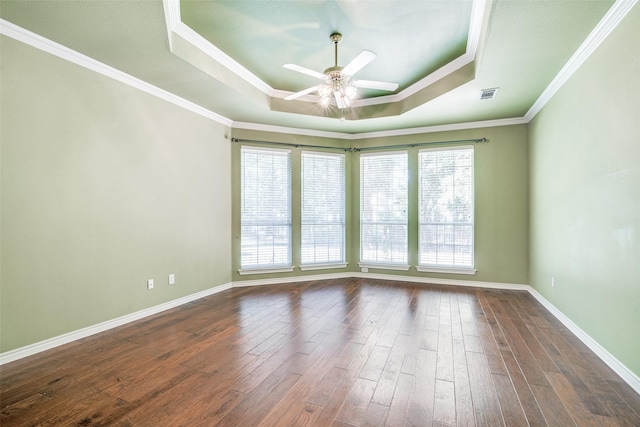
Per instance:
x=150, y=284
x=172, y=279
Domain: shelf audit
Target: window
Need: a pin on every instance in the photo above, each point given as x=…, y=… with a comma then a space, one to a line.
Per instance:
x=265, y=216
x=446, y=207
x=383, y=208
x=323, y=208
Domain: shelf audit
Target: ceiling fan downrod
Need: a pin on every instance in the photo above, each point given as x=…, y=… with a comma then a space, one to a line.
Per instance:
x=336, y=38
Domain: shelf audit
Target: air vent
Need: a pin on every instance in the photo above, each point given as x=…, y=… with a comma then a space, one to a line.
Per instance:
x=488, y=93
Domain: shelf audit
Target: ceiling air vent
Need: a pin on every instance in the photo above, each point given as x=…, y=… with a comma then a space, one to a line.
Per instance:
x=488, y=93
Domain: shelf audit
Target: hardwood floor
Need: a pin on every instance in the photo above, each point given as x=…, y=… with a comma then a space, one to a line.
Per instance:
x=348, y=352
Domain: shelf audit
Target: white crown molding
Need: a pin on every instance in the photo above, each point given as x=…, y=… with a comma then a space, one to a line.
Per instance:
x=289, y=130
x=625, y=373
x=478, y=10
x=607, y=24
x=613, y=17
x=175, y=26
x=440, y=128
x=27, y=37
x=380, y=134
x=432, y=78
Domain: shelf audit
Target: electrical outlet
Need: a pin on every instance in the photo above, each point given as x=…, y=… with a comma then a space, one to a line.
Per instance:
x=150, y=284
x=553, y=282
x=172, y=279
x=365, y=269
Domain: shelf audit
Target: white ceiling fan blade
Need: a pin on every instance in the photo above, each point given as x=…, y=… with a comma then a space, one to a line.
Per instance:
x=339, y=101
x=358, y=62
x=304, y=70
x=371, y=84
x=301, y=93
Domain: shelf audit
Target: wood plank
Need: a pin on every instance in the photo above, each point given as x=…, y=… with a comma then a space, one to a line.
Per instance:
x=485, y=400
x=574, y=404
x=523, y=392
x=554, y=411
x=389, y=377
x=463, y=400
x=372, y=369
x=444, y=406
x=420, y=408
x=356, y=402
x=512, y=411
x=400, y=403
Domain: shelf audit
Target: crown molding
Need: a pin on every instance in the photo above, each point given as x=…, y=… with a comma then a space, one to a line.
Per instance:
x=380, y=134
x=607, y=24
x=175, y=27
x=27, y=37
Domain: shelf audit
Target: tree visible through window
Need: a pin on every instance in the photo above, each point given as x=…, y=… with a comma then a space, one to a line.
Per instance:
x=383, y=208
x=265, y=208
x=323, y=208
x=446, y=207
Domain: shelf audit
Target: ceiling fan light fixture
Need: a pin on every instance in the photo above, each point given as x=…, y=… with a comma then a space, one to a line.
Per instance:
x=335, y=80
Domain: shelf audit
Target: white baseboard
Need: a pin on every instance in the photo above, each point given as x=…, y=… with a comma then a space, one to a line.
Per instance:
x=619, y=368
x=293, y=279
x=397, y=278
x=50, y=343
x=436, y=281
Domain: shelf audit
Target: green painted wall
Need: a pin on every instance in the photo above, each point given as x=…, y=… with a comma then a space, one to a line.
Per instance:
x=501, y=238
x=103, y=187
x=585, y=195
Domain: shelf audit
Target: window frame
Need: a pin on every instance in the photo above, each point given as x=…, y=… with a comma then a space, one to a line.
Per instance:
x=260, y=268
x=403, y=265
x=328, y=263
x=442, y=267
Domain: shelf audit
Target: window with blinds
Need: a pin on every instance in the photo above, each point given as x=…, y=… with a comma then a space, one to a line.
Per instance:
x=445, y=218
x=383, y=208
x=322, y=208
x=265, y=216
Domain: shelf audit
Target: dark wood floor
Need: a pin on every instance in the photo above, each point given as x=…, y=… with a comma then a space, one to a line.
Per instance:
x=349, y=352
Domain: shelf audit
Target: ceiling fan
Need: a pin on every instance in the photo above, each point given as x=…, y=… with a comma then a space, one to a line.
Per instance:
x=335, y=80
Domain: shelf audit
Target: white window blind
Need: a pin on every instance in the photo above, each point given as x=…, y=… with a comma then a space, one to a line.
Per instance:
x=446, y=207
x=323, y=208
x=265, y=208
x=383, y=208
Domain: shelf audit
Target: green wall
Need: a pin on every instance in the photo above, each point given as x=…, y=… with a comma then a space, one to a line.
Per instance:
x=501, y=228
x=103, y=187
x=585, y=195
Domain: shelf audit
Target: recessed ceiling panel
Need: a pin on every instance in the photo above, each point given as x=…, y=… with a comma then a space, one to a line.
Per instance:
x=411, y=38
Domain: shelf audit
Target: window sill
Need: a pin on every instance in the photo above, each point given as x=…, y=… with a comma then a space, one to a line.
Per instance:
x=249, y=271
x=452, y=270
x=401, y=267
x=309, y=267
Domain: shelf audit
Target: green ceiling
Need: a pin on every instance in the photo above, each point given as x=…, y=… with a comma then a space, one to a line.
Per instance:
x=521, y=47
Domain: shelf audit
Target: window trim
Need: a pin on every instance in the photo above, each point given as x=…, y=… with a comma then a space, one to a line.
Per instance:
x=323, y=266
x=384, y=266
x=403, y=265
x=273, y=268
x=444, y=268
x=333, y=263
x=249, y=271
